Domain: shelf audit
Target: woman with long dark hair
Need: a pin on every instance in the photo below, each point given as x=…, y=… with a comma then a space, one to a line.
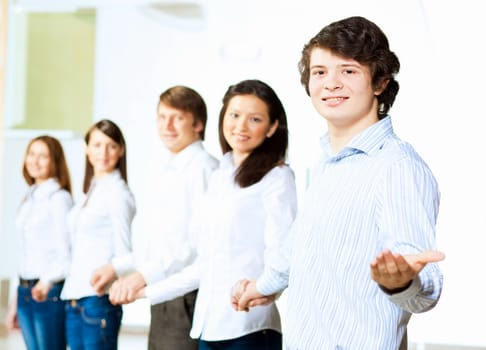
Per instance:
x=100, y=228
x=241, y=223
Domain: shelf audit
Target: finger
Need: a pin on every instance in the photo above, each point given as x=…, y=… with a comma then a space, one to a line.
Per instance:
x=391, y=265
x=238, y=289
x=418, y=261
x=140, y=293
x=260, y=301
x=382, y=267
x=380, y=262
x=430, y=256
x=99, y=286
x=94, y=279
x=402, y=264
x=131, y=295
x=117, y=298
x=113, y=294
x=235, y=298
x=243, y=302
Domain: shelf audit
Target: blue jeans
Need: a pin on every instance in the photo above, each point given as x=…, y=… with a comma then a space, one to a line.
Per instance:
x=92, y=323
x=266, y=339
x=42, y=324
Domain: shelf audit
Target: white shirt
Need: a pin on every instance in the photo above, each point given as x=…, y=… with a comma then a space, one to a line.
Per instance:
x=177, y=184
x=41, y=223
x=240, y=230
x=100, y=227
x=376, y=193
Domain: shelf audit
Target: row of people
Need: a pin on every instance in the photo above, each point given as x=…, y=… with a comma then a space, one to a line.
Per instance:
x=357, y=259
x=97, y=229
x=72, y=252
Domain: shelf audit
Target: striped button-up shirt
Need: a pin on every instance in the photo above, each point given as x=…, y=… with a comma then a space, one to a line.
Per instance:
x=376, y=193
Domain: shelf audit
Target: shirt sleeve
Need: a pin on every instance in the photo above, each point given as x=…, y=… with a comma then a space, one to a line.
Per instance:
x=280, y=203
x=407, y=221
x=175, y=285
x=122, y=211
x=58, y=257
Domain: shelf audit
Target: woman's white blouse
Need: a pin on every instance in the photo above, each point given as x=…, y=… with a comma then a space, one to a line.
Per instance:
x=239, y=230
x=100, y=227
x=41, y=223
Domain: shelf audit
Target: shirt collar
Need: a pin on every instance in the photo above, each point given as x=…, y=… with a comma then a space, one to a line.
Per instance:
x=369, y=141
x=45, y=189
x=114, y=175
x=184, y=157
x=227, y=161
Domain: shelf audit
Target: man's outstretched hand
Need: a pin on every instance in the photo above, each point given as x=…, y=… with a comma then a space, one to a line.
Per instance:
x=394, y=271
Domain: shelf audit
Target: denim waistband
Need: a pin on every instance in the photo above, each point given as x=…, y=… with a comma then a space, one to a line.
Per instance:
x=32, y=282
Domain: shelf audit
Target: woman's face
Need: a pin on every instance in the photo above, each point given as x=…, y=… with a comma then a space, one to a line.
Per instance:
x=246, y=124
x=38, y=162
x=103, y=153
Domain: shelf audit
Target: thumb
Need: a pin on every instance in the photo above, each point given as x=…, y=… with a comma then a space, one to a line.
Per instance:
x=243, y=302
x=430, y=256
x=418, y=261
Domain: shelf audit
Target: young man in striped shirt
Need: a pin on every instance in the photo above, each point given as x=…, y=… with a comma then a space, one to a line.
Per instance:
x=362, y=259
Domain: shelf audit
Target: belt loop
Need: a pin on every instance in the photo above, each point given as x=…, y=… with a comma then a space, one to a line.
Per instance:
x=28, y=283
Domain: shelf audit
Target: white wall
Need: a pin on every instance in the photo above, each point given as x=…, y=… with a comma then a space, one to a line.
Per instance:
x=439, y=107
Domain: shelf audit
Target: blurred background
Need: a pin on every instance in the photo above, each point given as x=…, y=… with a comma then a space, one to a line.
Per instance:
x=67, y=63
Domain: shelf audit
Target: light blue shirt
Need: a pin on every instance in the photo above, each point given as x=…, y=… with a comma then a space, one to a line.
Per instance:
x=376, y=193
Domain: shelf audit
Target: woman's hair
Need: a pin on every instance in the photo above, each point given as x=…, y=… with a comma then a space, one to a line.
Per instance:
x=58, y=165
x=273, y=150
x=187, y=100
x=363, y=41
x=111, y=130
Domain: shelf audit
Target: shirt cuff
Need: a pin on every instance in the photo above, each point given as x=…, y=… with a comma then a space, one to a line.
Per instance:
x=151, y=273
x=155, y=294
x=271, y=282
x=123, y=264
x=408, y=293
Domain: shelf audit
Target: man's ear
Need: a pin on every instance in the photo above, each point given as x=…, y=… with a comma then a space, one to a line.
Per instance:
x=198, y=126
x=381, y=87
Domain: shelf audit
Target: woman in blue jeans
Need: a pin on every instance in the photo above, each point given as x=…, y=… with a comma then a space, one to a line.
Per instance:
x=41, y=224
x=100, y=228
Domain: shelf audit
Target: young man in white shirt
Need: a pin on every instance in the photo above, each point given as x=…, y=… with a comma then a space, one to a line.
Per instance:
x=177, y=185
